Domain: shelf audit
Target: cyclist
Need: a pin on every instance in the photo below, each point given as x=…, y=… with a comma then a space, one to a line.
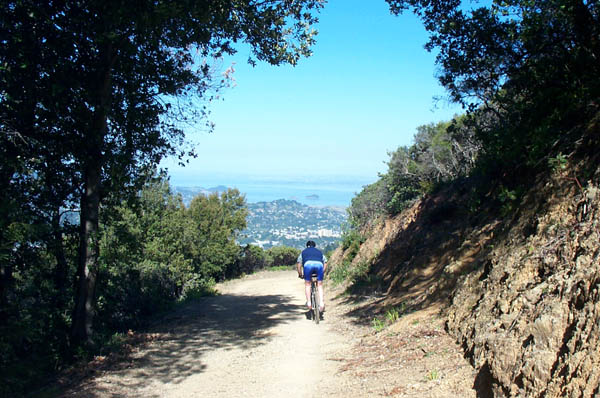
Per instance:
x=312, y=260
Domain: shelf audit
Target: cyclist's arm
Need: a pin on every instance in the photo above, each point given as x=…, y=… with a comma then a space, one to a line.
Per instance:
x=299, y=268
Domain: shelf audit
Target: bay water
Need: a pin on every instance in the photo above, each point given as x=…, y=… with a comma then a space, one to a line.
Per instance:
x=318, y=191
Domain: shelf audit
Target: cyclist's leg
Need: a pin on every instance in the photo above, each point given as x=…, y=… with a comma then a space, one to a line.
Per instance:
x=307, y=293
x=307, y=278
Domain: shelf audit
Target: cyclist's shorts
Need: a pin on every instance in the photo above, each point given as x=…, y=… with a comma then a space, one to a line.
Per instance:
x=311, y=266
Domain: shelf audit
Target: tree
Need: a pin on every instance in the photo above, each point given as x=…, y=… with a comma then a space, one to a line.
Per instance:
x=216, y=220
x=142, y=263
x=527, y=70
x=444, y=150
x=505, y=45
x=106, y=87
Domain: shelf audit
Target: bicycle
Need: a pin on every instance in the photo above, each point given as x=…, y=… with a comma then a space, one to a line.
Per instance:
x=314, y=298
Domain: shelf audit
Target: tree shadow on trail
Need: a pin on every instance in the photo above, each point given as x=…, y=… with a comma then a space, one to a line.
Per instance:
x=184, y=336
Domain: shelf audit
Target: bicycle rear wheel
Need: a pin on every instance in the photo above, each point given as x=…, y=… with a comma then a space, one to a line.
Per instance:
x=315, y=303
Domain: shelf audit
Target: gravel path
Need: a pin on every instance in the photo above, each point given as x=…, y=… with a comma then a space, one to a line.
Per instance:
x=254, y=340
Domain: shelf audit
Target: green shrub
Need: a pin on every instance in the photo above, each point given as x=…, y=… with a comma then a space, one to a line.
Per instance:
x=281, y=268
x=352, y=239
x=251, y=258
x=197, y=289
x=339, y=273
x=283, y=255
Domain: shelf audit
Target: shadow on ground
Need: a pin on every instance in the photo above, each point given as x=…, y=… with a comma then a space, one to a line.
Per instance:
x=183, y=337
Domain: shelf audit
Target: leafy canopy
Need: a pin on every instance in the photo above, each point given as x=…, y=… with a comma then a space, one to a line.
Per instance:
x=527, y=70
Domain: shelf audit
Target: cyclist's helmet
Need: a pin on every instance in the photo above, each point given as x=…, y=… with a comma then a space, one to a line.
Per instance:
x=311, y=243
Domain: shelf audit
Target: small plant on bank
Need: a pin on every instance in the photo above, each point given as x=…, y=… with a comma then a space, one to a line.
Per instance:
x=509, y=199
x=349, y=272
x=559, y=162
x=378, y=324
x=352, y=239
x=340, y=273
x=392, y=315
x=433, y=375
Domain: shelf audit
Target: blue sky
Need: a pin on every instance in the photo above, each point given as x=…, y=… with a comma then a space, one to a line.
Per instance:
x=363, y=92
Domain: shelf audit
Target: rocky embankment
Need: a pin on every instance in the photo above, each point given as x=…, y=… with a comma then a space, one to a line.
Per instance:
x=529, y=317
x=519, y=288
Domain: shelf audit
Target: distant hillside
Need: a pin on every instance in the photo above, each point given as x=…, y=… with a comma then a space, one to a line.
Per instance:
x=289, y=223
x=283, y=222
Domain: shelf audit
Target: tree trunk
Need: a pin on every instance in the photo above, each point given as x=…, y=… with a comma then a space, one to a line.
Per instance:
x=87, y=270
x=83, y=314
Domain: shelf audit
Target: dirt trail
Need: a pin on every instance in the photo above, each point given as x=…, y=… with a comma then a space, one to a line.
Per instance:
x=254, y=340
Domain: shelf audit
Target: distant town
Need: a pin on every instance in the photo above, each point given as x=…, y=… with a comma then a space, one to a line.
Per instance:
x=289, y=223
x=284, y=222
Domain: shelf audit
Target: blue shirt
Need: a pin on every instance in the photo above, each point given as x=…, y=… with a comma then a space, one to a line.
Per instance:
x=311, y=254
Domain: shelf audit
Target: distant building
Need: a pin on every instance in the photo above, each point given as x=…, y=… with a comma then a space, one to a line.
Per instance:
x=327, y=233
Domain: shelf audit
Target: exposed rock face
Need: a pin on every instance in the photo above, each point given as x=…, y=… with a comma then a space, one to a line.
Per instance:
x=529, y=316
